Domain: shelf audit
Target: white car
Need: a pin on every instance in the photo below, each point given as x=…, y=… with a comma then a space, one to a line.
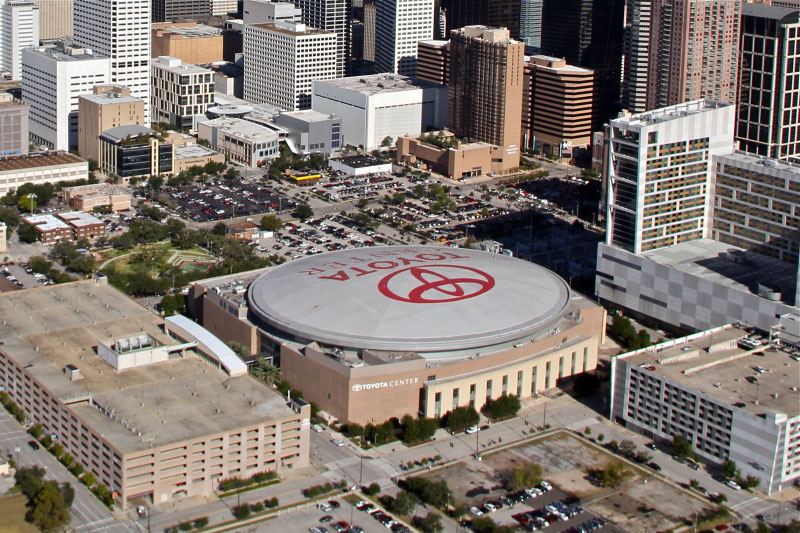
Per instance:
x=338, y=442
x=474, y=511
x=471, y=430
x=732, y=484
x=317, y=428
x=546, y=486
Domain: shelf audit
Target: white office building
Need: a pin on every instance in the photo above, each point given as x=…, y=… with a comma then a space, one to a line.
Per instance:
x=221, y=8
x=399, y=26
x=179, y=91
x=282, y=60
x=52, y=80
x=19, y=29
x=382, y=105
x=264, y=12
x=248, y=143
x=530, y=22
x=120, y=30
x=332, y=16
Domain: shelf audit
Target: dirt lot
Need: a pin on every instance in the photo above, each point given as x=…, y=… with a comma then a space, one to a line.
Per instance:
x=12, y=515
x=472, y=482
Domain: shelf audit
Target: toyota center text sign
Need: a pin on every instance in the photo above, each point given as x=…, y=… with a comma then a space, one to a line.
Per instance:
x=384, y=384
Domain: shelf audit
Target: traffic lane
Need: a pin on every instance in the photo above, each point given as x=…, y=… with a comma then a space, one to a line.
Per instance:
x=327, y=451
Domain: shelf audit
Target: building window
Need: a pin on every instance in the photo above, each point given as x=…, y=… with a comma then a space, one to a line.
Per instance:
x=455, y=398
x=488, y=390
x=505, y=384
x=519, y=384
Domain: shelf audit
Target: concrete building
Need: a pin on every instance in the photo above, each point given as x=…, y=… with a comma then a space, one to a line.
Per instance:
x=190, y=42
x=433, y=61
x=13, y=125
x=360, y=165
x=107, y=107
x=116, y=374
x=49, y=229
x=370, y=29
x=530, y=23
x=636, y=55
x=282, y=61
x=53, y=78
x=333, y=16
x=443, y=153
x=374, y=108
x=83, y=225
x=55, y=19
x=19, y=28
x=485, y=97
x=223, y=8
x=169, y=10
x=194, y=155
x=658, y=174
x=726, y=402
x=179, y=91
x=399, y=26
x=39, y=168
x=391, y=357
x=310, y=131
x=134, y=151
x=768, y=122
x=88, y=197
x=266, y=12
x=559, y=106
x=241, y=140
x=120, y=30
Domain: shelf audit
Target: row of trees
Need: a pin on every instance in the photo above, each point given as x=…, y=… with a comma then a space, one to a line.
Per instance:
x=622, y=331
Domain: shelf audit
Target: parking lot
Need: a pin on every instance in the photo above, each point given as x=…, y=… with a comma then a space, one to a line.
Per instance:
x=228, y=200
x=307, y=518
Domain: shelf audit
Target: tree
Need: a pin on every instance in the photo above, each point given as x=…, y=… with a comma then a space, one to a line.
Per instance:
x=30, y=480
x=627, y=448
x=68, y=493
x=524, y=475
x=461, y=418
x=613, y=475
x=372, y=489
x=729, y=470
x=26, y=203
x=239, y=349
x=271, y=223
x=27, y=233
x=750, y=482
x=387, y=141
x=304, y=211
x=404, y=503
x=9, y=217
x=48, y=510
x=88, y=479
x=231, y=173
x=430, y=523
x=680, y=446
x=175, y=226
x=435, y=493
x=219, y=229
x=265, y=371
x=155, y=182
x=241, y=512
x=484, y=524
x=505, y=406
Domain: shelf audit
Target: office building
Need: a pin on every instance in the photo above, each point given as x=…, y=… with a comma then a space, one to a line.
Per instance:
x=134, y=151
x=445, y=154
x=530, y=23
x=83, y=225
x=265, y=12
x=588, y=34
x=370, y=29
x=559, y=107
x=768, y=101
x=332, y=16
x=179, y=91
x=13, y=125
x=433, y=61
x=49, y=229
x=52, y=80
x=399, y=26
x=493, y=13
x=95, y=195
x=120, y=30
x=39, y=168
x=636, y=55
x=223, y=8
x=190, y=42
x=725, y=401
x=107, y=107
x=693, y=51
x=55, y=19
x=374, y=108
x=658, y=173
x=282, y=61
x=19, y=29
x=485, y=91
x=191, y=154
x=311, y=132
x=248, y=143
x=169, y=10
x=123, y=374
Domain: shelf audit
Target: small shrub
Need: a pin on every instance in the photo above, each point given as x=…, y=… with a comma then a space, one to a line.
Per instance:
x=372, y=489
x=257, y=507
x=241, y=512
x=271, y=503
x=200, y=523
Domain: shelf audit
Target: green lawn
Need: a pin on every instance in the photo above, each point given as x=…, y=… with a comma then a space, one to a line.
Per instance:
x=12, y=515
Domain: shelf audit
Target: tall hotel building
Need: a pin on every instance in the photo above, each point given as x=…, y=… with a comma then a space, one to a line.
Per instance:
x=282, y=60
x=769, y=97
x=119, y=29
x=399, y=26
x=486, y=81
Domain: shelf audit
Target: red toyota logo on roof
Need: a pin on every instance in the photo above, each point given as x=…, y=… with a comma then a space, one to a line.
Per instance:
x=435, y=284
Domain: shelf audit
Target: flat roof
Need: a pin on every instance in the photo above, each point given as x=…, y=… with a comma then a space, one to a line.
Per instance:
x=45, y=329
x=704, y=258
x=46, y=222
x=80, y=218
x=294, y=29
x=361, y=161
x=188, y=151
x=721, y=374
x=70, y=53
x=408, y=298
x=308, y=115
x=110, y=97
x=189, y=32
x=123, y=132
x=784, y=14
x=173, y=64
x=38, y=159
x=377, y=83
x=243, y=129
x=673, y=112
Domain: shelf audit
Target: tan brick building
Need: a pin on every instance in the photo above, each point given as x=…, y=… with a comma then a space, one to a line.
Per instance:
x=107, y=107
x=84, y=225
x=190, y=42
x=88, y=197
x=443, y=153
x=433, y=61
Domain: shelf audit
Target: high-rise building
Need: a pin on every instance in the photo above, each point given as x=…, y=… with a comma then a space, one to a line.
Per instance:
x=179, y=91
x=19, y=28
x=169, y=10
x=55, y=19
x=558, y=107
x=400, y=25
x=188, y=41
x=370, y=22
x=221, y=8
x=636, y=55
x=493, y=13
x=769, y=103
x=657, y=178
x=52, y=80
x=282, y=60
x=331, y=16
x=433, y=61
x=693, y=51
x=530, y=23
x=107, y=107
x=13, y=125
x=588, y=34
x=120, y=30
x=485, y=89
x=266, y=12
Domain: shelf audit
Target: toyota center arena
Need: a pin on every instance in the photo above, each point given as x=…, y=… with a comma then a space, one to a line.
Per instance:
x=374, y=333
